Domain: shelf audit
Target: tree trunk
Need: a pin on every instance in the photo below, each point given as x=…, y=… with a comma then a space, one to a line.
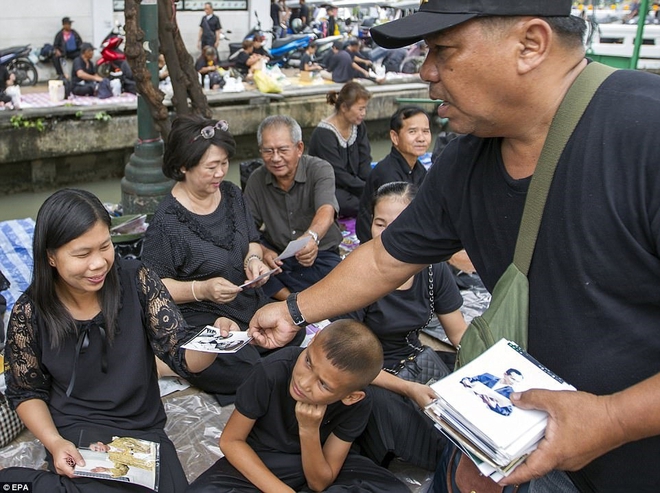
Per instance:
x=179, y=64
x=185, y=81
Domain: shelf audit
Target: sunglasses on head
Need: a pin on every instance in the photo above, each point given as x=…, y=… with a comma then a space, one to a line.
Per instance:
x=209, y=132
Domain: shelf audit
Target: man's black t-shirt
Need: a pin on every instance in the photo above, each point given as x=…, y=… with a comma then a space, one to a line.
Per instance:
x=209, y=27
x=594, y=305
x=304, y=13
x=240, y=61
x=265, y=397
x=341, y=67
x=306, y=59
x=392, y=167
x=79, y=64
x=275, y=13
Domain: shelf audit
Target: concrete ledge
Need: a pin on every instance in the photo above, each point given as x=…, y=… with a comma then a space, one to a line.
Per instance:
x=75, y=147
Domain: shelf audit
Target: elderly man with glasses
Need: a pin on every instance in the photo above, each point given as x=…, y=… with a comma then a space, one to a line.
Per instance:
x=293, y=196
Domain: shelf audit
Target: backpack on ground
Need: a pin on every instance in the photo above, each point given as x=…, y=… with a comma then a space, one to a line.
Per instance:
x=46, y=52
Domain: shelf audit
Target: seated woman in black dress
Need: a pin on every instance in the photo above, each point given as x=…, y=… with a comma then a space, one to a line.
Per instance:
x=203, y=243
x=397, y=427
x=80, y=348
x=341, y=139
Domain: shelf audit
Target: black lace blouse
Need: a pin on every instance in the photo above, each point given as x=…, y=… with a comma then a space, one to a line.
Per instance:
x=109, y=383
x=185, y=246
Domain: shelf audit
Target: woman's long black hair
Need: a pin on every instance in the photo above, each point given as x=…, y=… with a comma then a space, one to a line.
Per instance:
x=63, y=217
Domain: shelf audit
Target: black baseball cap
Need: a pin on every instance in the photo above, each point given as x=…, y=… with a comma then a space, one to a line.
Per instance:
x=66, y=20
x=434, y=16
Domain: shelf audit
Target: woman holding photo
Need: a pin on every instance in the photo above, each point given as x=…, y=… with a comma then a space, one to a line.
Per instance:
x=203, y=243
x=80, y=347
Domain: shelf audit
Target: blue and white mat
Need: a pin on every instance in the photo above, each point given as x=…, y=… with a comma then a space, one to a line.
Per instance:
x=16, y=257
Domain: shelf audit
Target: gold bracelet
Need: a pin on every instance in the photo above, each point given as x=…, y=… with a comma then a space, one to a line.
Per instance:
x=247, y=260
x=192, y=288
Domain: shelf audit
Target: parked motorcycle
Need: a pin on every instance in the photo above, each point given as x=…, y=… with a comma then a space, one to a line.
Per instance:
x=112, y=55
x=17, y=60
x=285, y=51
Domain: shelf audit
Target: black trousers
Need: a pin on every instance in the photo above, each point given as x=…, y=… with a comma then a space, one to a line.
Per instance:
x=57, y=62
x=358, y=474
x=398, y=428
x=295, y=277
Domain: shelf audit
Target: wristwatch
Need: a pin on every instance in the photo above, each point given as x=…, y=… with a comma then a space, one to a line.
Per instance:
x=314, y=235
x=294, y=311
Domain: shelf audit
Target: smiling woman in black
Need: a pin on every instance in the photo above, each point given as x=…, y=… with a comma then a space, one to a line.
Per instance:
x=81, y=343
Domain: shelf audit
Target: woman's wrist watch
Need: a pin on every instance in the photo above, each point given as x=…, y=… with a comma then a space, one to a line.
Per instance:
x=314, y=235
x=294, y=311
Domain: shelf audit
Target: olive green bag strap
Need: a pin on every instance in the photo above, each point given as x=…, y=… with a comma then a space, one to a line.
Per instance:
x=508, y=313
x=568, y=115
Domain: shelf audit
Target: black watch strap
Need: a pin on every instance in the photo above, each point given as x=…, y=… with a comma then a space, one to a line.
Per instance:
x=294, y=311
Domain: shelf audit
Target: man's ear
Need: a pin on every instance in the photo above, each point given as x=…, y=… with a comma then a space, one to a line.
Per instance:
x=394, y=137
x=353, y=397
x=535, y=38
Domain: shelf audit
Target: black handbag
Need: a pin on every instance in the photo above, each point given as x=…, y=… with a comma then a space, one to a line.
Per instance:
x=423, y=365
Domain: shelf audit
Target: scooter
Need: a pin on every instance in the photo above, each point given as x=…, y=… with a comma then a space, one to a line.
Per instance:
x=17, y=60
x=111, y=54
x=285, y=51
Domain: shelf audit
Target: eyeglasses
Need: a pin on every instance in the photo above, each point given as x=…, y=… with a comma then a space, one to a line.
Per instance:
x=269, y=152
x=209, y=132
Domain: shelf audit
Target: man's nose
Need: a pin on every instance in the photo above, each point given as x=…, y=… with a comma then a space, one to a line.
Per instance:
x=428, y=71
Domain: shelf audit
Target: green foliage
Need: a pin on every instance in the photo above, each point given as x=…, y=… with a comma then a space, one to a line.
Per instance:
x=18, y=121
x=103, y=116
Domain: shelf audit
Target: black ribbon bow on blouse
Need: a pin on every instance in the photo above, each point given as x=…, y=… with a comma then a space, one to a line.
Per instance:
x=82, y=344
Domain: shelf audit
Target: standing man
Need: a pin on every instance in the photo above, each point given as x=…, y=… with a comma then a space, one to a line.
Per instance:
x=209, y=29
x=502, y=68
x=333, y=27
x=304, y=13
x=293, y=196
x=67, y=45
x=275, y=12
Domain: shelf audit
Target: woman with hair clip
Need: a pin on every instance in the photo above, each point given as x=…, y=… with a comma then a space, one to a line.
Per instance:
x=397, y=427
x=342, y=140
x=203, y=243
x=81, y=343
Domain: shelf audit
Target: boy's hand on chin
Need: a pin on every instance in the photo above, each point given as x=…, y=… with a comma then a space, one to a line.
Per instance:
x=309, y=415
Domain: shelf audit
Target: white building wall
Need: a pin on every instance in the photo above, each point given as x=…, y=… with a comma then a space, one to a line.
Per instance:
x=36, y=22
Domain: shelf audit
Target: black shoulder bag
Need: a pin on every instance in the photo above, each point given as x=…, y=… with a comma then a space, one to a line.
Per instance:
x=423, y=365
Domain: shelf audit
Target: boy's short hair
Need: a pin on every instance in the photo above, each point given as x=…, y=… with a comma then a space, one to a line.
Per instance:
x=351, y=346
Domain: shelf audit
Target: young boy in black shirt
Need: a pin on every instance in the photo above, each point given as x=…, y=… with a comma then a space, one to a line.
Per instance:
x=296, y=417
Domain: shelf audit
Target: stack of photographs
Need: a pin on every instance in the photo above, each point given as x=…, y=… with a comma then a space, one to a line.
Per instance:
x=474, y=411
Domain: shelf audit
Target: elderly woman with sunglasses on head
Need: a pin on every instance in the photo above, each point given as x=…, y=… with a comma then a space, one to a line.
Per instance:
x=203, y=243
